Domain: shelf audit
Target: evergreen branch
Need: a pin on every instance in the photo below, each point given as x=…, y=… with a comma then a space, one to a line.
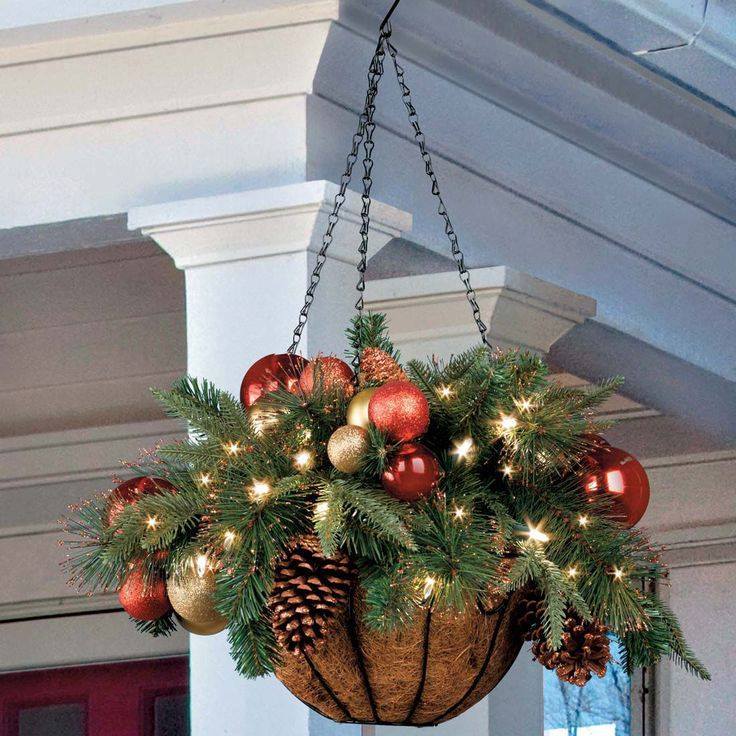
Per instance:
x=458, y=554
x=645, y=646
x=328, y=519
x=385, y=515
x=369, y=330
x=378, y=513
x=392, y=598
x=253, y=646
x=86, y=565
x=532, y=567
x=680, y=652
x=378, y=454
x=210, y=412
x=164, y=626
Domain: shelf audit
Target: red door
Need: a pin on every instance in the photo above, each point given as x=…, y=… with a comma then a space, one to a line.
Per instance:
x=148, y=698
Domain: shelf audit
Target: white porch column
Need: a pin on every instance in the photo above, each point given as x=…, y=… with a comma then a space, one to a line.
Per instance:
x=430, y=315
x=248, y=257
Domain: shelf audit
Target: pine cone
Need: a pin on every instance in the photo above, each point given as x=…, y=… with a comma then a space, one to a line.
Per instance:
x=309, y=590
x=529, y=615
x=585, y=647
x=585, y=650
x=377, y=367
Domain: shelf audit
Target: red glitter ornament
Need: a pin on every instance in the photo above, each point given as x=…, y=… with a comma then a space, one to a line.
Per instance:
x=144, y=600
x=621, y=477
x=399, y=409
x=413, y=473
x=128, y=493
x=270, y=373
x=333, y=374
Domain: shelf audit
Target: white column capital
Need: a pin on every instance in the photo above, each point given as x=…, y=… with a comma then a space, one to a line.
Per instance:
x=519, y=310
x=264, y=222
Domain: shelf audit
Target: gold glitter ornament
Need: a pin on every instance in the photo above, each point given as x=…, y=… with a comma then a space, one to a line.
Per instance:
x=357, y=414
x=191, y=595
x=347, y=448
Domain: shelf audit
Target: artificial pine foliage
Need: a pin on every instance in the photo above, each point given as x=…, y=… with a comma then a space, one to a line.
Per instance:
x=509, y=513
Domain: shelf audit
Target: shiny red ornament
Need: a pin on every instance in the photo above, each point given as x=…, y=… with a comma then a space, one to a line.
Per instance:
x=413, y=473
x=399, y=409
x=333, y=374
x=128, y=493
x=621, y=477
x=144, y=600
x=270, y=373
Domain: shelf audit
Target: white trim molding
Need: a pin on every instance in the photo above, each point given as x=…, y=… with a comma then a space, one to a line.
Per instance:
x=264, y=222
x=518, y=309
x=82, y=454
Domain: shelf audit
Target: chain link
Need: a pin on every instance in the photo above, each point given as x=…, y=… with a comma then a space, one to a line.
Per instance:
x=457, y=253
x=375, y=73
x=365, y=128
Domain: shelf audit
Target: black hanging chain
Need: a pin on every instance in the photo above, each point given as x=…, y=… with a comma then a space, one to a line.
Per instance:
x=376, y=71
x=365, y=127
x=364, y=136
x=419, y=137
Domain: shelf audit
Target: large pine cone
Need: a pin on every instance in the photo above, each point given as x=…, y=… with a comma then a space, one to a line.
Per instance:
x=585, y=646
x=585, y=651
x=309, y=591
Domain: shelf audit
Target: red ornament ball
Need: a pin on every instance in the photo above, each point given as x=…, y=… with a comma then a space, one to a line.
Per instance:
x=621, y=477
x=399, y=409
x=413, y=473
x=333, y=374
x=270, y=373
x=144, y=600
x=128, y=493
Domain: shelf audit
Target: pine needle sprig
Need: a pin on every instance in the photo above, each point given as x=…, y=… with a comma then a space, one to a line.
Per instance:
x=645, y=646
x=379, y=453
x=532, y=567
x=392, y=598
x=253, y=646
x=348, y=500
x=369, y=330
x=210, y=412
x=86, y=564
x=164, y=626
x=458, y=554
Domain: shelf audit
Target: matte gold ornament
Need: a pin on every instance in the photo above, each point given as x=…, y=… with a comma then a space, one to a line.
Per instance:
x=358, y=408
x=347, y=448
x=191, y=595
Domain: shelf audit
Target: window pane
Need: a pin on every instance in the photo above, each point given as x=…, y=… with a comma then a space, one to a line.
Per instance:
x=52, y=720
x=171, y=715
x=601, y=708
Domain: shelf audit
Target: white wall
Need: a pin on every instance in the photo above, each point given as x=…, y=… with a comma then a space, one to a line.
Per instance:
x=83, y=335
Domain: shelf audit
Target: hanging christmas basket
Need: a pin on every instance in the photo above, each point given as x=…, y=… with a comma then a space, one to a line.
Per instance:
x=384, y=537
